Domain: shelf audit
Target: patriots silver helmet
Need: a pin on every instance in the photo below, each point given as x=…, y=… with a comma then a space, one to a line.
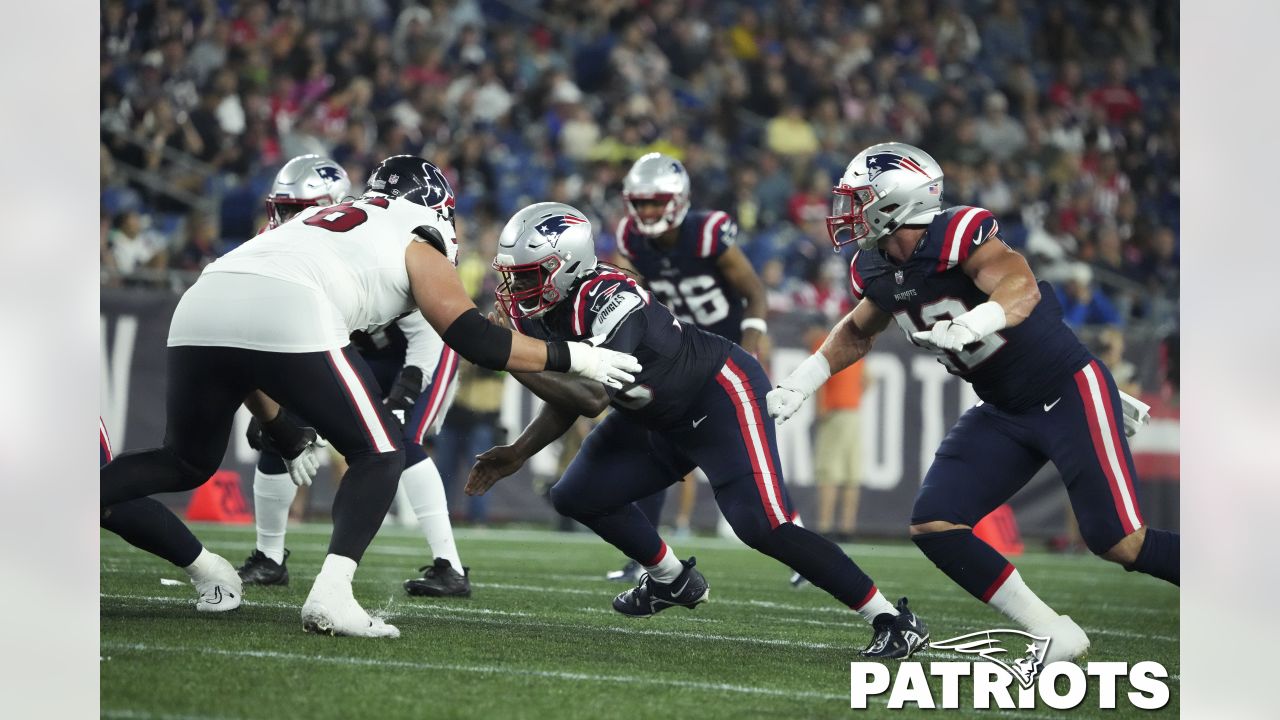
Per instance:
x=305, y=181
x=657, y=178
x=884, y=187
x=543, y=250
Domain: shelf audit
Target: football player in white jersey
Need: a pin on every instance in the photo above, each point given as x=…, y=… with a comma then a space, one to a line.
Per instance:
x=415, y=372
x=269, y=324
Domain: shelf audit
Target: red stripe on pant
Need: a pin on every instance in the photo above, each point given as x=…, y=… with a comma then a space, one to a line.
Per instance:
x=999, y=583
x=1113, y=422
x=1099, y=448
x=439, y=391
x=757, y=470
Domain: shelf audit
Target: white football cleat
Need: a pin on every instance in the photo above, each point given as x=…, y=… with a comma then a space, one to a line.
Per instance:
x=1068, y=641
x=220, y=586
x=331, y=609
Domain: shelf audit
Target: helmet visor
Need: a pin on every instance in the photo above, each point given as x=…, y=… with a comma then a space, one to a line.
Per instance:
x=847, y=223
x=527, y=290
x=281, y=210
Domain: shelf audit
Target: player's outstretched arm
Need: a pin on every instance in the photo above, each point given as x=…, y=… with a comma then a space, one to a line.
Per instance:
x=848, y=342
x=1003, y=274
x=566, y=391
x=738, y=271
x=1007, y=280
x=498, y=462
x=439, y=294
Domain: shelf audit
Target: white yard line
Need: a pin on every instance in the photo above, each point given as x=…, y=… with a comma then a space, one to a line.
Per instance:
x=489, y=670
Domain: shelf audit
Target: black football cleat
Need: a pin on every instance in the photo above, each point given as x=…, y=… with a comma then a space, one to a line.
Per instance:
x=649, y=596
x=258, y=569
x=630, y=573
x=897, y=637
x=439, y=579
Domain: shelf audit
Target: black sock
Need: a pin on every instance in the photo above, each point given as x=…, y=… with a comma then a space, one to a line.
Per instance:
x=148, y=525
x=362, y=501
x=819, y=561
x=1160, y=556
x=967, y=560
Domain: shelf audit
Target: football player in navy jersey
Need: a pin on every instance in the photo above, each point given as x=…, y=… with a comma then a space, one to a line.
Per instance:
x=695, y=402
x=147, y=524
x=689, y=261
x=957, y=290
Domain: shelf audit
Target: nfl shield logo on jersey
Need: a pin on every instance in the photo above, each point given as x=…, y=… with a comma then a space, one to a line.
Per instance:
x=898, y=276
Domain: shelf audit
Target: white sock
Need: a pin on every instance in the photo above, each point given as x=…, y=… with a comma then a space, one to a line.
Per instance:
x=204, y=564
x=668, y=568
x=337, y=568
x=404, y=508
x=425, y=488
x=272, y=496
x=1019, y=604
x=877, y=605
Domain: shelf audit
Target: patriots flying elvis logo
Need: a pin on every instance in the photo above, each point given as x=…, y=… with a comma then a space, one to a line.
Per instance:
x=329, y=172
x=553, y=227
x=881, y=162
x=1003, y=647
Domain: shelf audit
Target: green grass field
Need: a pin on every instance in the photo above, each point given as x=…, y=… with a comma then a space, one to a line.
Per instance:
x=539, y=640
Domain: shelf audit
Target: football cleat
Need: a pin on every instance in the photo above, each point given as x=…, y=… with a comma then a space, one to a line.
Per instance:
x=798, y=580
x=649, y=596
x=1068, y=641
x=630, y=573
x=439, y=579
x=220, y=590
x=897, y=637
x=331, y=609
x=258, y=569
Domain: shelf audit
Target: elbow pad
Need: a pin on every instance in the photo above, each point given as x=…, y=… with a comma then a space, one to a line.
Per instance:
x=479, y=341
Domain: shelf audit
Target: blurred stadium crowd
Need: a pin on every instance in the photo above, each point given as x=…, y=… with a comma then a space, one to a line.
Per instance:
x=1061, y=118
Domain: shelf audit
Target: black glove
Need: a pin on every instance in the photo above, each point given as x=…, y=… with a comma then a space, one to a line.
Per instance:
x=404, y=393
x=254, y=435
x=282, y=435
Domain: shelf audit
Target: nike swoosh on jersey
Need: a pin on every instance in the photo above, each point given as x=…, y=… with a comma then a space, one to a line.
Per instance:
x=698, y=422
x=1049, y=406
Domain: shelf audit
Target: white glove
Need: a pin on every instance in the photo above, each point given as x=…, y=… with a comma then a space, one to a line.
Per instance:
x=783, y=401
x=303, y=468
x=946, y=335
x=603, y=365
x=1136, y=414
x=967, y=328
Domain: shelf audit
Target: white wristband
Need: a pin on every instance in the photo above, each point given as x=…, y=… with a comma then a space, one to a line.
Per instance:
x=984, y=319
x=809, y=375
x=754, y=323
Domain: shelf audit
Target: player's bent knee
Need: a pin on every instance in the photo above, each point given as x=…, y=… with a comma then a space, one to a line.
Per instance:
x=1126, y=551
x=934, y=526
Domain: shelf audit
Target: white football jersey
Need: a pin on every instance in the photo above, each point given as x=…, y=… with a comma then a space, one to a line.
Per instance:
x=308, y=284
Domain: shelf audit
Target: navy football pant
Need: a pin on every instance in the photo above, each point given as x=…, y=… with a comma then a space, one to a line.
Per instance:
x=990, y=454
x=146, y=523
x=333, y=390
x=726, y=433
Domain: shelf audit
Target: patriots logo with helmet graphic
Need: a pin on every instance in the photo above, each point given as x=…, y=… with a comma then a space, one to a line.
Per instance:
x=553, y=227
x=329, y=172
x=882, y=162
x=993, y=644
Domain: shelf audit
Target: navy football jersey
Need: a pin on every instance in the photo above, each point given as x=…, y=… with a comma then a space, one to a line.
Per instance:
x=1011, y=369
x=686, y=277
x=678, y=359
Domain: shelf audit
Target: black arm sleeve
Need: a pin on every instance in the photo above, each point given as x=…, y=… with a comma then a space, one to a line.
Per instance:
x=479, y=341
